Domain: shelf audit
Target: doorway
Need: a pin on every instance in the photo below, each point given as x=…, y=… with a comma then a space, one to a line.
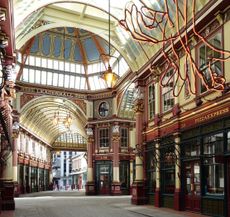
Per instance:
x=192, y=186
x=104, y=174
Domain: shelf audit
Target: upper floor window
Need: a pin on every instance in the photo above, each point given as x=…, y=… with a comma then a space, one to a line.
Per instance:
x=167, y=91
x=151, y=101
x=207, y=64
x=104, y=137
x=124, y=137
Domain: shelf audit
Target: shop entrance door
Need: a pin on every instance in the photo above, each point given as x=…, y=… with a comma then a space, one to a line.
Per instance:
x=104, y=178
x=192, y=186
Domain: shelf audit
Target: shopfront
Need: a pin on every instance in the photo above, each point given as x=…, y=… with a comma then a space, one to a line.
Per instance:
x=205, y=166
x=104, y=177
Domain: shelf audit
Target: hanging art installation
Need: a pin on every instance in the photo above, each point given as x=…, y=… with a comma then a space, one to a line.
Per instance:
x=170, y=23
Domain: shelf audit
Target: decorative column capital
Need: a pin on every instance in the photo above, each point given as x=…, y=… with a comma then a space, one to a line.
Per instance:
x=139, y=106
x=116, y=138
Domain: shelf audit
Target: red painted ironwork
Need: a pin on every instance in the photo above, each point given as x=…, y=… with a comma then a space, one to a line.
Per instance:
x=140, y=21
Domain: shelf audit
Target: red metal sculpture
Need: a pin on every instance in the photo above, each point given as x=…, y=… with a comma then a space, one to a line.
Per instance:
x=151, y=25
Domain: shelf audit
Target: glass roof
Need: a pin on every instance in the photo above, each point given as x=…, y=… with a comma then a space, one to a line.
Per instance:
x=127, y=103
x=70, y=58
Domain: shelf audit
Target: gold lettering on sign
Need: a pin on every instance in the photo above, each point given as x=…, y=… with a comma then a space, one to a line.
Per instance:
x=212, y=115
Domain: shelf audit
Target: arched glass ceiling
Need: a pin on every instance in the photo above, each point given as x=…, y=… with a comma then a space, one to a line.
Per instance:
x=92, y=15
x=69, y=58
x=38, y=117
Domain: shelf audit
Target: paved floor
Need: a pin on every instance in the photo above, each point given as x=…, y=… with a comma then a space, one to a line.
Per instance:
x=76, y=204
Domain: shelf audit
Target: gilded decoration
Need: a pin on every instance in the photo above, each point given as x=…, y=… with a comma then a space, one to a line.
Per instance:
x=139, y=106
x=116, y=138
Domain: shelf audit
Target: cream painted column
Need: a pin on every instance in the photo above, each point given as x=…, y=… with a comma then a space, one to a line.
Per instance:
x=138, y=187
x=157, y=98
x=90, y=185
x=157, y=145
x=139, y=108
x=131, y=172
x=116, y=147
x=8, y=169
x=177, y=161
x=90, y=159
x=177, y=193
x=157, y=191
x=116, y=185
x=16, y=144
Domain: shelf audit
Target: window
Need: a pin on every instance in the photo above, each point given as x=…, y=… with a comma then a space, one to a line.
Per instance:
x=167, y=91
x=192, y=148
x=205, y=58
x=151, y=168
x=151, y=101
x=167, y=169
x=124, y=137
x=104, y=137
x=213, y=164
x=228, y=141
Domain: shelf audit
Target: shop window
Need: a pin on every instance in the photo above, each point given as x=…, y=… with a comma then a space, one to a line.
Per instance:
x=206, y=55
x=124, y=174
x=167, y=91
x=124, y=137
x=192, y=148
x=214, y=164
x=104, y=138
x=151, y=101
x=228, y=142
x=167, y=169
x=151, y=168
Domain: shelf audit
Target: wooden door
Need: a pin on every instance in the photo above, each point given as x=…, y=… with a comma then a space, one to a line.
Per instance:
x=192, y=186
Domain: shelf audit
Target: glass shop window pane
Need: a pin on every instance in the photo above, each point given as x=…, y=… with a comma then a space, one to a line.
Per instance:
x=228, y=139
x=214, y=179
